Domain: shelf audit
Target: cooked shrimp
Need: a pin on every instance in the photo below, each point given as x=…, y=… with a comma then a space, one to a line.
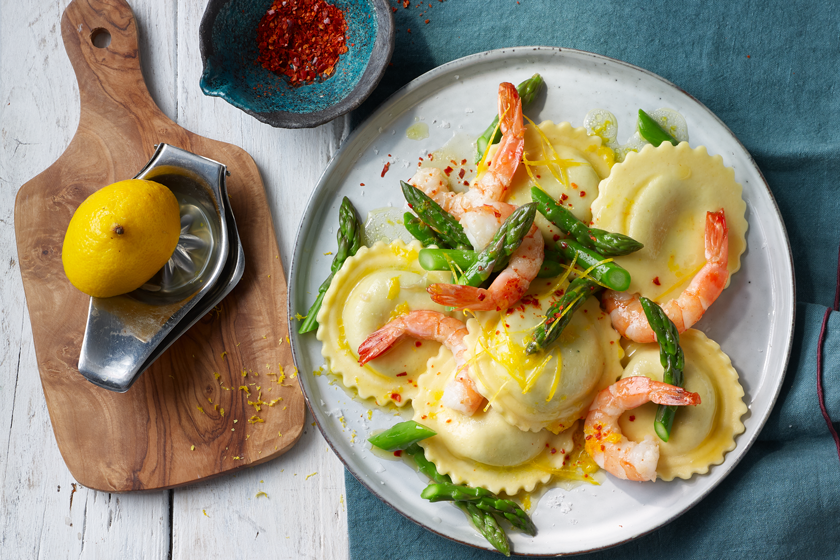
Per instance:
x=493, y=183
x=459, y=394
x=506, y=289
x=625, y=459
x=480, y=209
x=626, y=311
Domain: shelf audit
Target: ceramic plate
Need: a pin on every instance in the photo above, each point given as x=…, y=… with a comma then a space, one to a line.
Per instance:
x=752, y=321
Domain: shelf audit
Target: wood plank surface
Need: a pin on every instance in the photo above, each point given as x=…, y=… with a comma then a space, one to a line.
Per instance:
x=38, y=116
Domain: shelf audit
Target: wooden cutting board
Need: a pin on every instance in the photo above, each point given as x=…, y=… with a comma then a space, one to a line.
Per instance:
x=196, y=412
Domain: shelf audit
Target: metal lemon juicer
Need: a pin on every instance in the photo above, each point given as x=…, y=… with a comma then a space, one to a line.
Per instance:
x=125, y=334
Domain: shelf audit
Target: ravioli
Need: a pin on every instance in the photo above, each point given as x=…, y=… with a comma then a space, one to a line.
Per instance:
x=483, y=449
x=377, y=285
x=549, y=389
x=569, y=170
x=660, y=197
x=702, y=434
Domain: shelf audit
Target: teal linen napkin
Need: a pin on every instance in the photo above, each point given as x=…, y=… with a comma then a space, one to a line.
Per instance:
x=770, y=71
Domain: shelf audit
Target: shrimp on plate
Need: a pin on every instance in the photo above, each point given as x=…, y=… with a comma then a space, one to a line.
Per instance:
x=626, y=311
x=625, y=459
x=481, y=212
x=459, y=394
x=508, y=287
x=480, y=209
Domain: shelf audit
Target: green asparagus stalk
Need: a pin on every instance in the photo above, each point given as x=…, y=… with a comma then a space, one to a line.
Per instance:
x=672, y=359
x=401, y=435
x=487, y=525
x=650, y=130
x=609, y=274
x=501, y=247
x=442, y=259
x=421, y=231
x=527, y=91
x=484, y=521
x=484, y=500
x=607, y=243
x=424, y=465
x=560, y=314
x=349, y=241
x=446, y=226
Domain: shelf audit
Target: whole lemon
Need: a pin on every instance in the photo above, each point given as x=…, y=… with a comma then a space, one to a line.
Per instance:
x=120, y=236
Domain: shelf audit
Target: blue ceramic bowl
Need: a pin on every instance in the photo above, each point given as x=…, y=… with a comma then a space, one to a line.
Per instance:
x=228, y=42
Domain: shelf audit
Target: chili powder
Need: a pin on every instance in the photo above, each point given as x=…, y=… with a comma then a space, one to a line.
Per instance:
x=302, y=39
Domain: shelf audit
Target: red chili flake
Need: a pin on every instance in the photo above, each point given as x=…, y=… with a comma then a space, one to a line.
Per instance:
x=466, y=183
x=427, y=22
x=574, y=185
x=612, y=341
x=394, y=10
x=406, y=4
x=632, y=418
x=461, y=173
x=553, y=451
x=301, y=39
x=463, y=161
x=556, y=237
x=361, y=184
x=423, y=417
x=408, y=30
x=396, y=397
x=582, y=194
x=481, y=297
x=539, y=176
x=398, y=453
x=656, y=281
x=448, y=170
x=403, y=374
x=588, y=437
x=562, y=451
x=748, y=56
x=564, y=196
x=603, y=448
x=385, y=169
x=389, y=155
x=449, y=420
x=431, y=157
x=418, y=344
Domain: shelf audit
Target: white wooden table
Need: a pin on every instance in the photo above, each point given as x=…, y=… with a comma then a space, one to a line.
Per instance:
x=43, y=512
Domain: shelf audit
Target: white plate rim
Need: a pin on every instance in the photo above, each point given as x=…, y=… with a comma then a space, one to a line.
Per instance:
x=460, y=64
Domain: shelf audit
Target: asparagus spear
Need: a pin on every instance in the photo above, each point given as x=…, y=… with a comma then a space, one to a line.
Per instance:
x=609, y=274
x=558, y=316
x=349, y=240
x=484, y=521
x=502, y=246
x=421, y=231
x=446, y=226
x=650, y=130
x=401, y=436
x=484, y=500
x=607, y=243
x=527, y=91
x=672, y=358
x=441, y=259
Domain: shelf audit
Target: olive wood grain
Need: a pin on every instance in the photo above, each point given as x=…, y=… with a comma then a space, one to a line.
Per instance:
x=142, y=439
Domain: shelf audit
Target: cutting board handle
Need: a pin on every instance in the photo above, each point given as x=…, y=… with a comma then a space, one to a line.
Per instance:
x=109, y=74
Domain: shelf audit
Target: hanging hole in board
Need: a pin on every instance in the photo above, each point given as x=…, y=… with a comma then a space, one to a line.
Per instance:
x=100, y=38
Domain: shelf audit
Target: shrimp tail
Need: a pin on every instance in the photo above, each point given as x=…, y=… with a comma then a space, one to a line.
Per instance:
x=673, y=396
x=380, y=341
x=716, y=241
x=452, y=295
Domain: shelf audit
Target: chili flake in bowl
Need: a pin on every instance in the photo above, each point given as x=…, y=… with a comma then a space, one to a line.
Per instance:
x=295, y=63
